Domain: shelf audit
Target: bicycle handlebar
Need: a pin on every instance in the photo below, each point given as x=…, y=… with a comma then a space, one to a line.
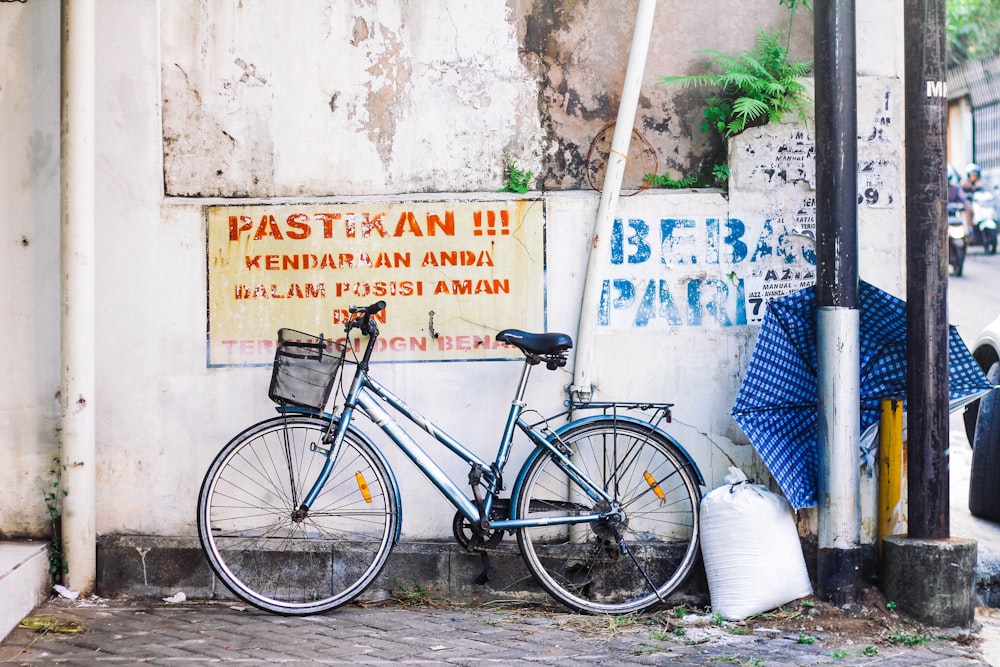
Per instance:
x=363, y=317
x=376, y=307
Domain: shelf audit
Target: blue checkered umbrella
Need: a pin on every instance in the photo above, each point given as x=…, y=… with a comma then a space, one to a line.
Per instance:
x=776, y=406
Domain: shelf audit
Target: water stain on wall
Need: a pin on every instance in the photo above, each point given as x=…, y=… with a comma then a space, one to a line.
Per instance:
x=366, y=98
x=579, y=58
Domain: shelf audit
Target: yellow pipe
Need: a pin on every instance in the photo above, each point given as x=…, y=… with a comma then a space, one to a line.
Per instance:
x=891, y=513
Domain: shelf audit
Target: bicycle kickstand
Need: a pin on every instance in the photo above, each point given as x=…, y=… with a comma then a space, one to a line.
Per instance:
x=489, y=572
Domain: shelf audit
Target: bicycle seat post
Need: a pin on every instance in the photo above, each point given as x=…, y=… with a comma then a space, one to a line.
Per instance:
x=522, y=385
x=516, y=406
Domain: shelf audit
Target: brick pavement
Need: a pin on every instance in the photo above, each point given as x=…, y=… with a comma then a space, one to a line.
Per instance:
x=115, y=632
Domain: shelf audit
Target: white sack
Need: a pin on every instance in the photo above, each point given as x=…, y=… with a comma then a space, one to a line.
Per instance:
x=753, y=557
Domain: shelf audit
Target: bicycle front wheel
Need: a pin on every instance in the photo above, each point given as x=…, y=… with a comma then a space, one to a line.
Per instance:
x=621, y=565
x=273, y=558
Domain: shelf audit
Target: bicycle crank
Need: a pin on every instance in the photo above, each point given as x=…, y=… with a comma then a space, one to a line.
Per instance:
x=471, y=537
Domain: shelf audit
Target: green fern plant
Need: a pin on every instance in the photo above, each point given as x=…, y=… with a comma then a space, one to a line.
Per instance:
x=517, y=180
x=665, y=181
x=755, y=87
x=719, y=177
x=720, y=173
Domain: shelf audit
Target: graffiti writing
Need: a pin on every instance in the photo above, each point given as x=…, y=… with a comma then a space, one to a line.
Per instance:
x=673, y=258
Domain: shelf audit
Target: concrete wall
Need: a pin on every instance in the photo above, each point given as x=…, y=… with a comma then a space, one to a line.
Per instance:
x=30, y=302
x=357, y=98
x=203, y=102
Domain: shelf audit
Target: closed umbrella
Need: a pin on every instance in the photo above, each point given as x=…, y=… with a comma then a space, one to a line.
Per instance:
x=777, y=402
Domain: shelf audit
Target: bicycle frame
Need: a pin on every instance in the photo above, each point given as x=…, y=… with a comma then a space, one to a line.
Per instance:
x=363, y=394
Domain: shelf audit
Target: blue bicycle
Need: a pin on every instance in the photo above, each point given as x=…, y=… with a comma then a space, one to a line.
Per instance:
x=298, y=513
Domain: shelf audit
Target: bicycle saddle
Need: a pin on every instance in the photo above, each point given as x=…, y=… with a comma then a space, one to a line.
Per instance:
x=536, y=343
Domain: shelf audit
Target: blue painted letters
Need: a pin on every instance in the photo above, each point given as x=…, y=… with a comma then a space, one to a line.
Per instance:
x=684, y=271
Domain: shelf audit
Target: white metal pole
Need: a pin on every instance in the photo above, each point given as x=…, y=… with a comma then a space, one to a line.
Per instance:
x=78, y=294
x=584, y=373
x=839, y=411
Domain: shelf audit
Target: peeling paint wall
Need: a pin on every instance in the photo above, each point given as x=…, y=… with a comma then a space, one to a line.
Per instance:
x=577, y=51
x=212, y=102
x=341, y=98
x=317, y=98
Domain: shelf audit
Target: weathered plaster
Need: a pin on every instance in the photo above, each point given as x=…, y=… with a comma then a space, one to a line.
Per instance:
x=349, y=98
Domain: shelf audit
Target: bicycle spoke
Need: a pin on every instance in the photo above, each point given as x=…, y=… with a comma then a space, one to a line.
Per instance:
x=612, y=565
x=263, y=551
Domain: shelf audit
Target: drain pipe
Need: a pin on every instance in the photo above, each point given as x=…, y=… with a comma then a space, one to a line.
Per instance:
x=838, y=555
x=79, y=541
x=584, y=373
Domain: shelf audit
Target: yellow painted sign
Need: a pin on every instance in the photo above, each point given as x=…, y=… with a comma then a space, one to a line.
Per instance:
x=452, y=275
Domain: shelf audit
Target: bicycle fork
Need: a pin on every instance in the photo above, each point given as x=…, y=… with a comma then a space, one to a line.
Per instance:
x=336, y=440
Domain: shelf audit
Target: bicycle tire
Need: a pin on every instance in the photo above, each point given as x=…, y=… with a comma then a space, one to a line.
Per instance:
x=585, y=566
x=984, y=501
x=289, y=566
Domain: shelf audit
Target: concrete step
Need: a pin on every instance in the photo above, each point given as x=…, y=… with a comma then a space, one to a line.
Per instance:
x=146, y=566
x=24, y=580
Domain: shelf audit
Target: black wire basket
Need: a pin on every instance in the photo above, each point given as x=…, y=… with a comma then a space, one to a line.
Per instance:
x=306, y=368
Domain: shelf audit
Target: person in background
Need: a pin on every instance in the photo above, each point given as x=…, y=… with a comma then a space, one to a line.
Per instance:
x=957, y=194
x=973, y=176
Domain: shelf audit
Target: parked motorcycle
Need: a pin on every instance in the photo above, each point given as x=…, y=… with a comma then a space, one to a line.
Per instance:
x=957, y=240
x=984, y=232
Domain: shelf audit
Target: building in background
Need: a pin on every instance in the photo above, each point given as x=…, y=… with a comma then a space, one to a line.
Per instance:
x=269, y=164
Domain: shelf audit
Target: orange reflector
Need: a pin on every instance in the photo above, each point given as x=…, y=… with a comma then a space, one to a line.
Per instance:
x=363, y=485
x=654, y=485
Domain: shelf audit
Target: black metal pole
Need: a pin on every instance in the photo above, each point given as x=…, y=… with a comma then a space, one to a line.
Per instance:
x=838, y=558
x=836, y=154
x=926, y=269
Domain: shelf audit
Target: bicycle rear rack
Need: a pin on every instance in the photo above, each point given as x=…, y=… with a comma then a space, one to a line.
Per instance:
x=657, y=413
x=654, y=413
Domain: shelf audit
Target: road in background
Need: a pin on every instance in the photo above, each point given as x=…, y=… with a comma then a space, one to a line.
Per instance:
x=973, y=299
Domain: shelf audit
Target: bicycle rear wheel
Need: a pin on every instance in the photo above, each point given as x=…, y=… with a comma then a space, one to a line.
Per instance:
x=269, y=557
x=611, y=566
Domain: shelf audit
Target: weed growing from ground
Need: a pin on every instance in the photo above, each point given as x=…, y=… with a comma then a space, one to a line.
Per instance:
x=903, y=638
x=53, y=496
x=408, y=596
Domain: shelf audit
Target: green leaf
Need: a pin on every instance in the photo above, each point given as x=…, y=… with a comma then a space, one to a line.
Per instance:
x=758, y=84
x=517, y=180
x=692, y=81
x=749, y=108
